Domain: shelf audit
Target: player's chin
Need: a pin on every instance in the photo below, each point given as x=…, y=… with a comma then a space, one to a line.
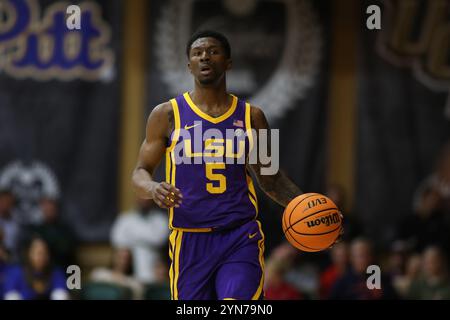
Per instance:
x=207, y=80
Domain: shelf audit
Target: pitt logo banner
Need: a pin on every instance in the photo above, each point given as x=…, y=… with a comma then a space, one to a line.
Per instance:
x=45, y=49
x=416, y=34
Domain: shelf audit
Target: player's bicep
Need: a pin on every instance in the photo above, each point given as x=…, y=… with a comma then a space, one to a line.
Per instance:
x=150, y=154
x=262, y=129
x=263, y=137
x=154, y=145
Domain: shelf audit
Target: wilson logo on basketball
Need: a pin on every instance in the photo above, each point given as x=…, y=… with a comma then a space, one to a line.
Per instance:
x=327, y=220
x=315, y=202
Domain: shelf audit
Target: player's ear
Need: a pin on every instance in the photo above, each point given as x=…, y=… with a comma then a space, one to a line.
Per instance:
x=229, y=64
x=189, y=67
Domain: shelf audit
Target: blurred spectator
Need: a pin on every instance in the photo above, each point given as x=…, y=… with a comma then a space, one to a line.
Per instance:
x=29, y=181
x=120, y=273
x=352, y=227
x=413, y=268
x=145, y=231
x=402, y=267
x=353, y=284
x=434, y=282
x=339, y=265
x=429, y=225
x=57, y=234
x=397, y=258
x=161, y=274
x=36, y=278
x=3, y=265
x=276, y=286
x=160, y=288
x=440, y=178
x=8, y=226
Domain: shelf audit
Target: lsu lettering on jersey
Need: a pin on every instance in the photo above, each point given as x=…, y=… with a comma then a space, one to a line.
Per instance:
x=205, y=160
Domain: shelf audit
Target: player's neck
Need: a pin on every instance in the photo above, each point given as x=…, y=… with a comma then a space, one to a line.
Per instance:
x=210, y=97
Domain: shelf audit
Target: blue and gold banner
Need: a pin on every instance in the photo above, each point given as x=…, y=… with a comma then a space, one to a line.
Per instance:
x=36, y=43
x=59, y=110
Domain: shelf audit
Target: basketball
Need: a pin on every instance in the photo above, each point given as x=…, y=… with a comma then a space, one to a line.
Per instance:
x=311, y=222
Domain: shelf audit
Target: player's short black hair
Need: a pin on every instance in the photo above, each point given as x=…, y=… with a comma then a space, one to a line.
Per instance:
x=209, y=34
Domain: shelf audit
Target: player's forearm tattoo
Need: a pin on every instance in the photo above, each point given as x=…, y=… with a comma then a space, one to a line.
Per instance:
x=279, y=187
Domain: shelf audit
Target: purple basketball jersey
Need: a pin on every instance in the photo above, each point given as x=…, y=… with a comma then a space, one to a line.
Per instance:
x=205, y=159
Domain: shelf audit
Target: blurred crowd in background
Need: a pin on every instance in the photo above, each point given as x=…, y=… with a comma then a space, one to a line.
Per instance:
x=35, y=253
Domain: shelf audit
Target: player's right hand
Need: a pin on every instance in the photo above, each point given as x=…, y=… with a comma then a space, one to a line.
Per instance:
x=166, y=195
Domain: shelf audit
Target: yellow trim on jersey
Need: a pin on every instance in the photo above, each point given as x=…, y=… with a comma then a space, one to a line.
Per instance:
x=206, y=116
x=176, y=131
x=251, y=190
x=177, y=262
x=248, y=126
x=172, y=237
x=169, y=181
x=170, y=163
x=171, y=157
x=192, y=229
x=174, y=272
x=258, y=292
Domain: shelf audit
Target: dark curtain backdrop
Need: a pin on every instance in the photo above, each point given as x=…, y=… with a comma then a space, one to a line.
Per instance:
x=401, y=124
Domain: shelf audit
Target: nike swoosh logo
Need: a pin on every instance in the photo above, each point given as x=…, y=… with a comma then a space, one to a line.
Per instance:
x=186, y=127
x=250, y=236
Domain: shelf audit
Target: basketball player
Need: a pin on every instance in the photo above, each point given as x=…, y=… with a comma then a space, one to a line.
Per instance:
x=216, y=243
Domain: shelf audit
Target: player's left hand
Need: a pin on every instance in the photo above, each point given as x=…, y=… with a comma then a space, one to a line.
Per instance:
x=341, y=233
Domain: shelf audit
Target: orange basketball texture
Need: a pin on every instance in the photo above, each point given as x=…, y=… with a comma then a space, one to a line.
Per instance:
x=311, y=222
